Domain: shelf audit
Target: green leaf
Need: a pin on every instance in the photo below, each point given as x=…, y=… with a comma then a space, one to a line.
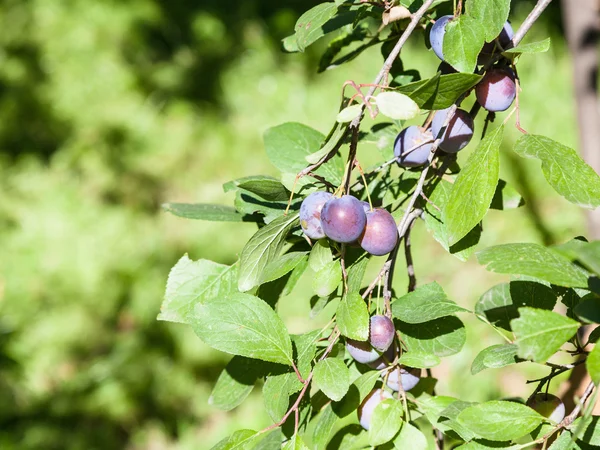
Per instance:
x=357, y=392
x=494, y=357
x=265, y=187
x=492, y=14
x=535, y=261
x=541, y=333
x=426, y=303
x=449, y=416
x=327, y=279
x=589, y=432
x=272, y=441
x=506, y=197
x=235, y=383
x=593, y=365
x=437, y=227
x=310, y=26
x=356, y=272
x=288, y=144
x=396, y=106
x=295, y=443
x=563, y=168
x=192, y=282
x=432, y=407
x=244, y=325
x=248, y=203
x=589, y=255
x=588, y=311
x=320, y=255
x=276, y=394
x=203, y=211
x=419, y=360
x=282, y=265
x=474, y=188
x=332, y=377
x=564, y=442
x=349, y=113
x=439, y=92
x=353, y=317
x=441, y=337
x=262, y=249
x=595, y=335
x=482, y=444
x=240, y=440
x=500, y=304
x=410, y=437
x=385, y=421
x=532, y=47
x=325, y=423
x=463, y=41
x=500, y=420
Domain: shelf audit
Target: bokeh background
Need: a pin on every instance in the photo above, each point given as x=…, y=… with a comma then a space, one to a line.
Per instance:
x=107, y=110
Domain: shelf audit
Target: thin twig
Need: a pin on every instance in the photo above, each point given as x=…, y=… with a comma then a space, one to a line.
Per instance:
x=571, y=417
x=529, y=21
x=410, y=269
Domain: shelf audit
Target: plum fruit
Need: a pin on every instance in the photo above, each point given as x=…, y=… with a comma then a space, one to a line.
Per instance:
x=361, y=351
x=409, y=377
x=381, y=332
x=366, y=408
x=412, y=146
x=458, y=132
x=380, y=235
x=503, y=39
x=497, y=90
x=343, y=219
x=310, y=214
x=548, y=405
x=436, y=35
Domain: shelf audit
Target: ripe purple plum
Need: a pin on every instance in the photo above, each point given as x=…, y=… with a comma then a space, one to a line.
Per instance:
x=361, y=351
x=548, y=405
x=409, y=377
x=436, y=35
x=381, y=332
x=366, y=408
x=343, y=219
x=412, y=146
x=381, y=235
x=386, y=359
x=310, y=214
x=458, y=133
x=503, y=39
x=497, y=90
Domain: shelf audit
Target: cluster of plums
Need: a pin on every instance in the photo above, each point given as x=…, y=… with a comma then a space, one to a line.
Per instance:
x=413, y=144
x=379, y=353
x=497, y=89
x=348, y=220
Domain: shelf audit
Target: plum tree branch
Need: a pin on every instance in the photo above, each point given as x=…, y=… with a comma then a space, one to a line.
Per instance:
x=529, y=21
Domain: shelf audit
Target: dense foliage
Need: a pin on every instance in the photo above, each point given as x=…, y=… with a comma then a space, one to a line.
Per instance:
x=360, y=381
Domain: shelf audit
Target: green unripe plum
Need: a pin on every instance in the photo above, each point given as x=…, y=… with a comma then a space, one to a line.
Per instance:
x=548, y=405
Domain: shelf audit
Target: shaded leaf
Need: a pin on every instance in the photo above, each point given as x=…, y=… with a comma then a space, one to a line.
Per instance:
x=282, y=265
x=310, y=26
x=235, y=383
x=325, y=423
x=593, y=367
x=441, y=337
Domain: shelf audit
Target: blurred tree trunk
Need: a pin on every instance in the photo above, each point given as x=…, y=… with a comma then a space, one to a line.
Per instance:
x=582, y=24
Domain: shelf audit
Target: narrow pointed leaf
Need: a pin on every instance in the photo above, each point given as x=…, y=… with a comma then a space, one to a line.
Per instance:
x=474, y=188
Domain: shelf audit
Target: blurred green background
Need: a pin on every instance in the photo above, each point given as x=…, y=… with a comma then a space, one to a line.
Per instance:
x=107, y=110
